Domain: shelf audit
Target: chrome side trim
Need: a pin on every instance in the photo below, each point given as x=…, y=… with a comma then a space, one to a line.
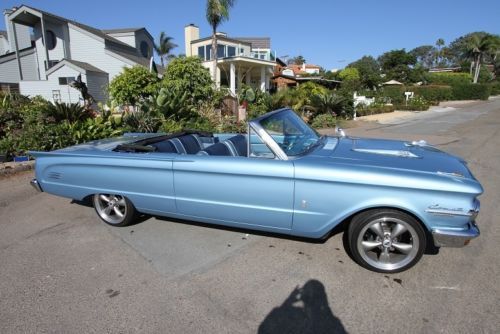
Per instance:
x=34, y=183
x=439, y=211
x=447, y=212
x=454, y=238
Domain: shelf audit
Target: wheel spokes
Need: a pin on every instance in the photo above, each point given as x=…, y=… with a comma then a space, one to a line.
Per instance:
x=403, y=248
x=369, y=245
x=377, y=229
x=397, y=230
x=105, y=198
x=385, y=256
x=118, y=212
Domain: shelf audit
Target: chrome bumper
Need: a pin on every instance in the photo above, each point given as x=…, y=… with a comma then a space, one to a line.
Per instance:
x=453, y=238
x=34, y=183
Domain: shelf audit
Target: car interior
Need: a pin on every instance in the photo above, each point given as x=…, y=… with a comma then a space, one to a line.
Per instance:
x=199, y=143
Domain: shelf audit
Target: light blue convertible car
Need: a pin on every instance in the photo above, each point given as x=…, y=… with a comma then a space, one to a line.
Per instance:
x=394, y=197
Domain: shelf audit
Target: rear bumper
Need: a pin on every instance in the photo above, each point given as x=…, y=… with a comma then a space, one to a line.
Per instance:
x=34, y=183
x=454, y=238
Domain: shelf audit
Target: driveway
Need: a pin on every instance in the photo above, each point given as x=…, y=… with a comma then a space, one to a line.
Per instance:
x=63, y=271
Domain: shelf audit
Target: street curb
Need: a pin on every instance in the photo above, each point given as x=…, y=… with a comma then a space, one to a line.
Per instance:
x=11, y=168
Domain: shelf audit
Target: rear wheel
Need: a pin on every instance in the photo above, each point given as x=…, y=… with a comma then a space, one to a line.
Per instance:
x=386, y=240
x=114, y=210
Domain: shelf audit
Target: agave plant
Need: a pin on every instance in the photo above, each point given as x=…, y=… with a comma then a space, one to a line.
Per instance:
x=331, y=103
x=70, y=112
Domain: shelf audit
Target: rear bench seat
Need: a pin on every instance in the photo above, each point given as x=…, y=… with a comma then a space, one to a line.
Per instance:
x=187, y=144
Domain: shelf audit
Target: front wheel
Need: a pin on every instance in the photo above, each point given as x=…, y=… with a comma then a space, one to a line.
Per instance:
x=114, y=210
x=385, y=240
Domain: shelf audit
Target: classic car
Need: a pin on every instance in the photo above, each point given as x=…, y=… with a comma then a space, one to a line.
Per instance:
x=395, y=198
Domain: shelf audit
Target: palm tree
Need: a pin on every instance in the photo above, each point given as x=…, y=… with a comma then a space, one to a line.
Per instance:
x=163, y=48
x=439, y=44
x=478, y=47
x=217, y=12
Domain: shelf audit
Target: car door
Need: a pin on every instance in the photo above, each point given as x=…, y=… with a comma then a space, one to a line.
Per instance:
x=235, y=191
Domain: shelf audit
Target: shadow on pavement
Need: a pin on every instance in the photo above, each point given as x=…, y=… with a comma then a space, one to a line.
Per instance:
x=305, y=311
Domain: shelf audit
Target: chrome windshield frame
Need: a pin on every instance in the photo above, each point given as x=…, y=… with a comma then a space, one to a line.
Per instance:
x=266, y=139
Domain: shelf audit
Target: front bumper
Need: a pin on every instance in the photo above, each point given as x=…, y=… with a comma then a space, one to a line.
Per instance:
x=454, y=238
x=34, y=183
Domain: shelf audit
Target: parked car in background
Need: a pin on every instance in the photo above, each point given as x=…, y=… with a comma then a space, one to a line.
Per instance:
x=394, y=197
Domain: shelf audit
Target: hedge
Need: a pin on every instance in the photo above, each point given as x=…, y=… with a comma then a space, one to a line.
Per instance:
x=447, y=78
x=495, y=88
x=471, y=91
x=433, y=93
x=374, y=109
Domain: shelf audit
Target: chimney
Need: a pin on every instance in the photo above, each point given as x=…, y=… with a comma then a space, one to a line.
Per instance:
x=191, y=33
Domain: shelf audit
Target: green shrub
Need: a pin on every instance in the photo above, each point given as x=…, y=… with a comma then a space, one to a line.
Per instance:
x=448, y=78
x=433, y=93
x=324, y=121
x=415, y=104
x=393, y=94
x=187, y=74
x=373, y=109
x=471, y=92
x=133, y=85
x=495, y=88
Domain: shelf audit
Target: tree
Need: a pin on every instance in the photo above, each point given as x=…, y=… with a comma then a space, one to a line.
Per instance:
x=188, y=75
x=439, y=51
x=457, y=50
x=163, y=48
x=216, y=13
x=369, y=71
x=397, y=64
x=480, y=47
x=133, y=84
x=298, y=60
x=424, y=55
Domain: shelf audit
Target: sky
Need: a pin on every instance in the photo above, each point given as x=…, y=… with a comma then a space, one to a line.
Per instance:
x=327, y=33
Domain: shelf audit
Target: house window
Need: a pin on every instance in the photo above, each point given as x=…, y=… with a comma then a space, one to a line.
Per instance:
x=144, y=49
x=51, y=39
x=201, y=52
x=66, y=80
x=208, y=52
x=56, y=95
x=221, y=50
x=231, y=51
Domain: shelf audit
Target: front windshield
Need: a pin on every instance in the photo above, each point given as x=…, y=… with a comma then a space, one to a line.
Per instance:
x=291, y=133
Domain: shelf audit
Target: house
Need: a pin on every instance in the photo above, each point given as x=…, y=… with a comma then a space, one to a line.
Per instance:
x=293, y=75
x=247, y=60
x=43, y=53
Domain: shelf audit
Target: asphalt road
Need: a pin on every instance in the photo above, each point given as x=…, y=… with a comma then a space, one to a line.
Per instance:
x=63, y=271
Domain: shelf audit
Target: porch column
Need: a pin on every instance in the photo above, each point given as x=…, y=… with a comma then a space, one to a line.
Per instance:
x=248, y=77
x=44, y=38
x=238, y=79
x=232, y=78
x=16, y=46
x=263, y=78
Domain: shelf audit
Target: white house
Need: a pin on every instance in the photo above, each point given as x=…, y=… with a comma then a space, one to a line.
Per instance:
x=240, y=60
x=43, y=53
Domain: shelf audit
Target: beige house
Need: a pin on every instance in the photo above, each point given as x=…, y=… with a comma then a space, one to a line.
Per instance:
x=247, y=60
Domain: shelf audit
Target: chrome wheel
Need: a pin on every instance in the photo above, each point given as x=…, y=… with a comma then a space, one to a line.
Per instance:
x=388, y=243
x=113, y=209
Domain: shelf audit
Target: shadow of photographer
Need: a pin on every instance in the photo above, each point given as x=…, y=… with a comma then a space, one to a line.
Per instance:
x=305, y=311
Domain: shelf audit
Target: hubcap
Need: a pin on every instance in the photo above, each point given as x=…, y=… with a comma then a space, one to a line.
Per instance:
x=111, y=208
x=388, y=243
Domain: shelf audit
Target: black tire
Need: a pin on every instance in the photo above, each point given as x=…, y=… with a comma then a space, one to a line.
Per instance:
x=114, y=210
x=386, y=240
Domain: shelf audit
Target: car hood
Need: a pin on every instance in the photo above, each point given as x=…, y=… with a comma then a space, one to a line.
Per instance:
x=415, y=156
